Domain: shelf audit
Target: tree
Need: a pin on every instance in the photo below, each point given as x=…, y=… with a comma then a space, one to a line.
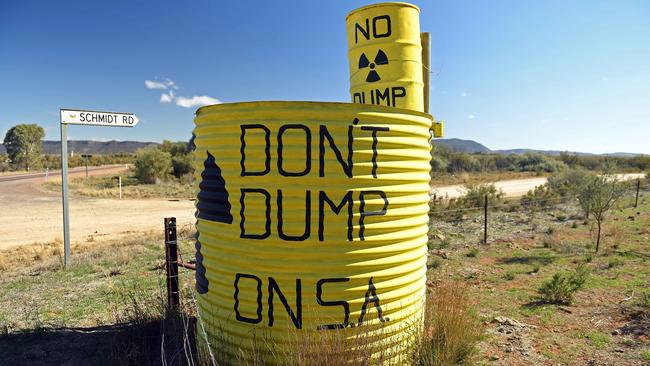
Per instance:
x=23, y=144
x=598, y=196
x=152, y=165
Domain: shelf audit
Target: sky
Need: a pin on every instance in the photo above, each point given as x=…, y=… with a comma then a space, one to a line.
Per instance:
x=554, y=75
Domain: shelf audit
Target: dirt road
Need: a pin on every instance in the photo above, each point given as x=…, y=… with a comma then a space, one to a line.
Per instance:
x=30, y=214
x=511, y=188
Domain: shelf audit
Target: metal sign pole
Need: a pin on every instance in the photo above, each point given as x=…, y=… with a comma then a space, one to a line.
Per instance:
x=64, y=194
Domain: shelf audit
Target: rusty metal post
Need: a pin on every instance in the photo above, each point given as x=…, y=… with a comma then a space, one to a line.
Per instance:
x=485, y=220
x=638, y=186
x=171, y=263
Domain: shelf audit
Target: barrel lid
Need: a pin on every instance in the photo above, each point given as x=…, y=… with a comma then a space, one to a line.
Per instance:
x=308, y=105
x=382, y=5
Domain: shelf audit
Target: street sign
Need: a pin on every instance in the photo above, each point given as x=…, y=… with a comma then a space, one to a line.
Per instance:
x=90, y=118
x=98, y=118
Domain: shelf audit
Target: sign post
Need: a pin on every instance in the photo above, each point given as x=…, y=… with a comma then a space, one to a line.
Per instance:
x=82, y=117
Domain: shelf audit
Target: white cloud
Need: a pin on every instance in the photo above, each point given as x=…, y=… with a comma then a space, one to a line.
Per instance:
x=170, y=97
x=150, y=84
x=471, y=116
x=463, y=94
x=195, y=101
x=167, y=97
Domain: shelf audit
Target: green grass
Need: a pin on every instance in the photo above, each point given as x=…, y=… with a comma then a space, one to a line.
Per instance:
x=598, y=340
x=94, y=290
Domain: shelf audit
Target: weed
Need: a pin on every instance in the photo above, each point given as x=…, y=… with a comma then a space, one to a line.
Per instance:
x=472, y=253
x=451, y=330
x=509, y=276
x=644, y=300
x=574, y=225
x=535, y=269
x=645, y=355
x=563, y=285
x=434, y=262
x=588, y=258
x=561, y=217
x=614, y=262
x=599, y=340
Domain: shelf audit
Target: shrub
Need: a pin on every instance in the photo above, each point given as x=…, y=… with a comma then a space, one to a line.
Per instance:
x=472, y=253
x=451, y=327
x=152, y=165
x=540, y=196
x=568, y=182
x=509, y=276
x=563, y=285
x=535, y=162
x=475, y=196
x=182, y=165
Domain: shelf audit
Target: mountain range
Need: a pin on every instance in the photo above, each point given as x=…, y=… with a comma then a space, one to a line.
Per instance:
x=112, y=147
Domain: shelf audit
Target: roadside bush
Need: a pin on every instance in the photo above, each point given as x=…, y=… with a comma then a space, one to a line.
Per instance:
x=476, y=193
x=4, y=163
x=540, y=196
x=568, y=182
x=152, y=165
x=561, y=288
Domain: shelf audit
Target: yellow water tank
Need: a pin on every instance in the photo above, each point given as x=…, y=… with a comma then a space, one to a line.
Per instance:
x=385, y=55
x=312, y=220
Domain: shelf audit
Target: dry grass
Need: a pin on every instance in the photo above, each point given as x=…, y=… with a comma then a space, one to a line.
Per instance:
x=452, y=329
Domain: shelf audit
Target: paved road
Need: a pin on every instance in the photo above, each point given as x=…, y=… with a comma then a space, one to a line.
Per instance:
x=511, y=188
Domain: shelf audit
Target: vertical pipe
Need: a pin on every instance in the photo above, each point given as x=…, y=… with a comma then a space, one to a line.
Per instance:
x=119, y=181
x=64, y=194
x=485, y=220
x=425, y=38
x=86, y=167
x=171, y=261
x=638, y=186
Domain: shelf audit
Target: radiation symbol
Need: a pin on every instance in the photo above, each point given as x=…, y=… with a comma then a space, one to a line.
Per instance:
x=380, y=59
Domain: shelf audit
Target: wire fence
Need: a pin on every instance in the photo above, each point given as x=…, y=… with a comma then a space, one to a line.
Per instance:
x=444, y=211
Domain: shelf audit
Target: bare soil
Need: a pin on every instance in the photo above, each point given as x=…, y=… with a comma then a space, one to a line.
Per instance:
x=31, y=214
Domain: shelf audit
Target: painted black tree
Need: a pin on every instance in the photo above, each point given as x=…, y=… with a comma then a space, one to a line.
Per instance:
x=212, y=205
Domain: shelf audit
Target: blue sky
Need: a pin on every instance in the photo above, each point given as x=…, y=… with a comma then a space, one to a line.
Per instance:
x=564, y=75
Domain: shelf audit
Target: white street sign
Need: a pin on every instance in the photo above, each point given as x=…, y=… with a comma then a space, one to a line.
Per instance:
x=97, y=118
x=90, y=118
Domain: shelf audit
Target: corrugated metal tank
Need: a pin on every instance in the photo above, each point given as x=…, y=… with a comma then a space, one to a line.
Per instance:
x=385, y=55
x=312, y=218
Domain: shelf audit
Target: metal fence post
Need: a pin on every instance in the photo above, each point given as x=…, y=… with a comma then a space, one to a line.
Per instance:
x=485, y=220
x=638, y=186
x=171, y=263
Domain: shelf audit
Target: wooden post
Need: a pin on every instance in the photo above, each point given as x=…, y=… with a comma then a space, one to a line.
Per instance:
x=638, y=186
x=425, y=39
x=171, y=263
x=485, y=220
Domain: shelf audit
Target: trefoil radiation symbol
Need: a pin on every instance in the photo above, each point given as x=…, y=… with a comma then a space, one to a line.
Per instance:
x=380, y=59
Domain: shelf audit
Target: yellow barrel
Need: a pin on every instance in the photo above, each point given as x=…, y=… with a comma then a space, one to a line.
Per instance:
x=312, y=222
x=385, y=55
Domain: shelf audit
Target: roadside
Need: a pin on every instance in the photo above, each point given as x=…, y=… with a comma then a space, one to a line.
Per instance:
x=511, y=188
x=31, y=214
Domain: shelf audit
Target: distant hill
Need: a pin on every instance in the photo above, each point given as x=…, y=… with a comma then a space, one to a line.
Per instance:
x=459, y=145
x=545, y=152
x=92, y=147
